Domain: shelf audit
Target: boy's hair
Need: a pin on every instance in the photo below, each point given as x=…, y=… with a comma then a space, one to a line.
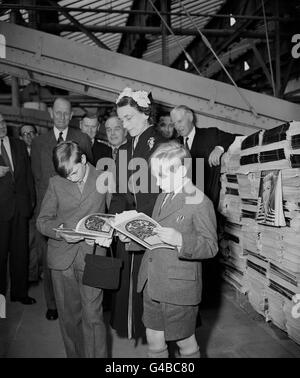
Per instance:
x=65, y=155
x=172, y=154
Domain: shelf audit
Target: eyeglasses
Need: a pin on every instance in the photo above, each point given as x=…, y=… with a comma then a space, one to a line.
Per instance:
x=28, y=133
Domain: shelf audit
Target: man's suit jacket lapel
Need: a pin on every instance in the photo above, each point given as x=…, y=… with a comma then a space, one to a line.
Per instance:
x=194, y=150
x=70, y=134
x=15, y=157
x=50, y=143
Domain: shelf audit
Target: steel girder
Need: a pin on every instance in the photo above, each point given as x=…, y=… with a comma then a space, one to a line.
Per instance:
x=102, y=74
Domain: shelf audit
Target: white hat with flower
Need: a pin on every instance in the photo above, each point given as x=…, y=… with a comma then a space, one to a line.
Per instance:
x=140, y=97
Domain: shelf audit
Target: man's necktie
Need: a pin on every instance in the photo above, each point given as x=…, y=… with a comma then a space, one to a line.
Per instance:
x=5, y=157
x=135, y=141
x=186, y=143
x=60, y=138
x=114, y=153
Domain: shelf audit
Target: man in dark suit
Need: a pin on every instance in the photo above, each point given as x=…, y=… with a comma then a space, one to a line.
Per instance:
x=27, y=134
x=206, y=143
x=43, y=169
x=90, y=126
x=16, y=205
x=116, y=134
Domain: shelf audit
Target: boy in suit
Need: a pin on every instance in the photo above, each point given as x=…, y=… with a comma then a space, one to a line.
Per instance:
x=171, y=278
x=70, y=196
x=42, y=169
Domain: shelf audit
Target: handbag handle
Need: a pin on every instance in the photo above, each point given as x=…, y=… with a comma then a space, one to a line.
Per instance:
x=95, y=247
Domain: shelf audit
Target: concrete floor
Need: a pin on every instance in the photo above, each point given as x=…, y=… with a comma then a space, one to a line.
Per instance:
x=227, y=331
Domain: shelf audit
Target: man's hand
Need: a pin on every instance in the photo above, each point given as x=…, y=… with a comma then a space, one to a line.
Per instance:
x=215, y=155
x=169, y=235
x=3, y=170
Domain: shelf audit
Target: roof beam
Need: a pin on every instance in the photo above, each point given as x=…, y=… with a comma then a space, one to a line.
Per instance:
x=43, y=8
x=78, y=25
x=102, y=74
x=51, y=28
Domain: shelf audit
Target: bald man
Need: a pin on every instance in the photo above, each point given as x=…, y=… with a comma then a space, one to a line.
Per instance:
x=43, y=168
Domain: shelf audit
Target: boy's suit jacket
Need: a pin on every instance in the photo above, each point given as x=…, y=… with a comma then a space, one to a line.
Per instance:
x=176, y=277
x=41, y=157
x=65, y=204
x=18, y=191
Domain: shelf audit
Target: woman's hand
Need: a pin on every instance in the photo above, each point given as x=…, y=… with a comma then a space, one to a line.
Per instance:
x=103, y=242
x=123, y=238
x=169, y=235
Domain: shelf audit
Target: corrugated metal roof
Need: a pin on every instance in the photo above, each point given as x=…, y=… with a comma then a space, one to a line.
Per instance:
x=154, y=51
x=103, y=19
x=112, y=40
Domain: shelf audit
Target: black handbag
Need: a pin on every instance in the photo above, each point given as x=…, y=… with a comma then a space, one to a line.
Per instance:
x=102, y=272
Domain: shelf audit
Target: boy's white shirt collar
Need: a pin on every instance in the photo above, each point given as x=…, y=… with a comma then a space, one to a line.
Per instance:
x=177, y=190
x=64, y=133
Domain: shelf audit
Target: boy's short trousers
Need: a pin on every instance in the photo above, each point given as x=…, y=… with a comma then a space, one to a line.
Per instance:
x=177, y=321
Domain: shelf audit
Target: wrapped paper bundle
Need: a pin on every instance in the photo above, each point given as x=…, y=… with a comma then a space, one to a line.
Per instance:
x=275, y=312
x=234, y=276
x=231, y=159
x=251, y=238
x=292, y=320
x=229, y=204
x=257, y=282
x=267, y=199
x=249, y=185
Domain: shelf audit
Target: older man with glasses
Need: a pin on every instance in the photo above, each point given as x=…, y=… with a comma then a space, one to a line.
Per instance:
x=27, y=134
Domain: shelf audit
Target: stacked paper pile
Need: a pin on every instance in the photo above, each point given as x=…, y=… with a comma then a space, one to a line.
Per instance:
x=260, y=199
x=232, y=255
x=292, y=312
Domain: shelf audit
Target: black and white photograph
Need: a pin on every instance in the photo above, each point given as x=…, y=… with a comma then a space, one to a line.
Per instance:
x=149, y=182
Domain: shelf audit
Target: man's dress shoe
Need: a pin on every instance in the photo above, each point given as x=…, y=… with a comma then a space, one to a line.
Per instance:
x=51, y=314
x=24, y=300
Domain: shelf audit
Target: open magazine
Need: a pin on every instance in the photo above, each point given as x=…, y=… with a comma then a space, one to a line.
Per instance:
x=139, y=227
x=92, y=226
x=270, y=206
